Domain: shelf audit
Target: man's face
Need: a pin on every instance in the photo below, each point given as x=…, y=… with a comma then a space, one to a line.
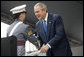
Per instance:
x=39, y=13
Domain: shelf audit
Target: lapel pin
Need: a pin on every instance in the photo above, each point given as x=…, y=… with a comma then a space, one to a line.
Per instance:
x=49, y=22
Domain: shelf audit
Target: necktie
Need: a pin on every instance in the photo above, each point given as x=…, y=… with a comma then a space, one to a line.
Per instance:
x=45, y=28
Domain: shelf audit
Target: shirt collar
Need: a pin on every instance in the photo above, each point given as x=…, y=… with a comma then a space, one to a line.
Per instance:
x=46, y=17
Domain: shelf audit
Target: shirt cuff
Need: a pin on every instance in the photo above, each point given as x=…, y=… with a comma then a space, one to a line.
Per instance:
x=49, y=45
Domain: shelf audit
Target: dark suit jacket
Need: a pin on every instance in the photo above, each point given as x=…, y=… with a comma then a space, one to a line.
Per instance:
x=56, y=37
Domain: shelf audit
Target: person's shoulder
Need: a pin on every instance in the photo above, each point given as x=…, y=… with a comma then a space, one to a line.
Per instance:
x=54, y=15
x=25, y=25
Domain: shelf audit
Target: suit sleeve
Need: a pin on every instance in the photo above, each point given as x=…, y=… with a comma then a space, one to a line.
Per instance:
x=59, y=31
x=38, y=36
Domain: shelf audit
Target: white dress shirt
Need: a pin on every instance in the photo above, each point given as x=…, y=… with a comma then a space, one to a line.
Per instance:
x=46, y=24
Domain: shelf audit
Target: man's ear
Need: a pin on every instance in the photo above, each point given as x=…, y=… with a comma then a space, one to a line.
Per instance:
x=44, y=10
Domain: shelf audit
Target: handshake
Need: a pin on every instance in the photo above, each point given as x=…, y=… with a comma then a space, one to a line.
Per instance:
x=34, y=40
x=43, y=49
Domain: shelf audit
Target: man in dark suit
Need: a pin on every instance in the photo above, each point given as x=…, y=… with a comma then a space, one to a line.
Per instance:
x=50, y=32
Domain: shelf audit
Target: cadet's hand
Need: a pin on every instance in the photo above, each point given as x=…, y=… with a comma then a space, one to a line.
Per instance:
x=44, y=48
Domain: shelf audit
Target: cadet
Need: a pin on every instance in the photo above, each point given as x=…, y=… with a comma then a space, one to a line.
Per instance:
x=19, y=29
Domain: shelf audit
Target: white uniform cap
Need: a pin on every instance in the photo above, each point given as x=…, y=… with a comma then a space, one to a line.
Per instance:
x=18, y=9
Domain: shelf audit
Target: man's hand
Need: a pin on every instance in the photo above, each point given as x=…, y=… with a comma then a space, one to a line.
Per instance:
x=44, y=48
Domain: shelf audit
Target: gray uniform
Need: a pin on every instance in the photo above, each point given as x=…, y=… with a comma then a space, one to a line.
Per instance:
x=21, y=32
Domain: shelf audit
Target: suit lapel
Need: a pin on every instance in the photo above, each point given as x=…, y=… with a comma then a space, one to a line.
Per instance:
x=49, y=23
x=42, y=29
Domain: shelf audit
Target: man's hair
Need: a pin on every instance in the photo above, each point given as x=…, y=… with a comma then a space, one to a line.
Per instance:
x=42, y=5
